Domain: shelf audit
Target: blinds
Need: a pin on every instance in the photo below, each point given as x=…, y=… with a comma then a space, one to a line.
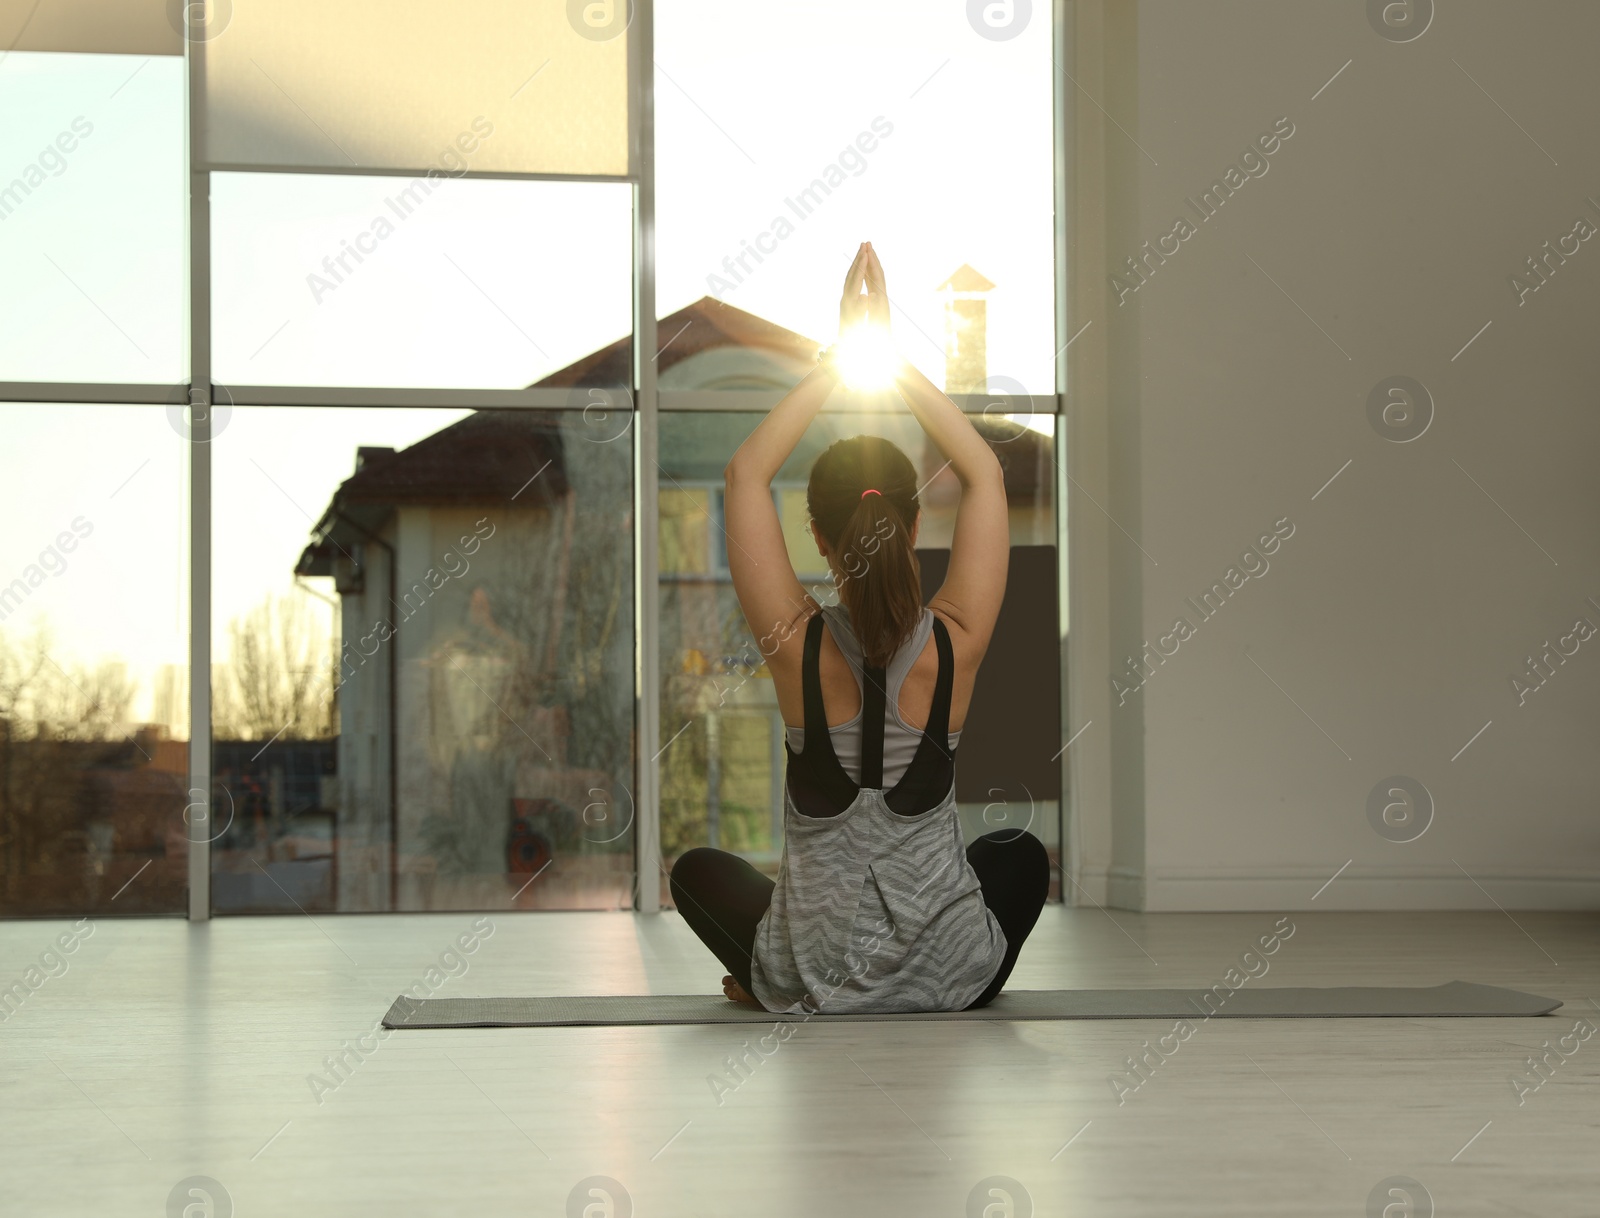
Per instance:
x=113, y=27
x=499, y=85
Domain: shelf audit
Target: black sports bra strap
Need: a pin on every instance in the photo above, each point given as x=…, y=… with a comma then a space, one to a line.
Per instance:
x=939, y=713
x=816, y=725
x=874, y=698
x=929, y=777
x=817, y=783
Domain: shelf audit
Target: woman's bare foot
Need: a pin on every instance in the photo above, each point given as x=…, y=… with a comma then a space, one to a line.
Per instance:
x=736, y=992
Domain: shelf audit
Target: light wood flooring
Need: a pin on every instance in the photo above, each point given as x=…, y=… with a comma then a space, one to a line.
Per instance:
x=167, y=1051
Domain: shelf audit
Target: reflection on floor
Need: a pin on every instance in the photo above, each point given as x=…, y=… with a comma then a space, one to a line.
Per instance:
x=153, y=1052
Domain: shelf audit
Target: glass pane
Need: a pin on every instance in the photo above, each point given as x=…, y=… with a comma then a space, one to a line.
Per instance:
x=350, y=280
x=722, y=769
x=437, y=603
x=400, y=84
x=941, y=156
x=94, y=607
x=118, y=27
x=92, y=219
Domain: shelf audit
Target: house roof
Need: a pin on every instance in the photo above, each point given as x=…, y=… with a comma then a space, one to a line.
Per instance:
x=489, y=456
x=697, y=327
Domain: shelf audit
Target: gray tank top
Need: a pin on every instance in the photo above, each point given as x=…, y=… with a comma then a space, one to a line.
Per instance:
x=875, y=907
x=900, y=739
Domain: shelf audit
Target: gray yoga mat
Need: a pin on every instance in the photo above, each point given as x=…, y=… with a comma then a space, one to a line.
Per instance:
x=1457, y=998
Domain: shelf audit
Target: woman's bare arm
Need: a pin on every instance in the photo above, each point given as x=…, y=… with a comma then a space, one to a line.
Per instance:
x=769, y=592
x=971, y=458
x=766, y=448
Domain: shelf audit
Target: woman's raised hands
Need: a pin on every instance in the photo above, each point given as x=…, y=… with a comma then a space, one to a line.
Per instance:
x=853, y=303
x=877, y=291
x=865, y=298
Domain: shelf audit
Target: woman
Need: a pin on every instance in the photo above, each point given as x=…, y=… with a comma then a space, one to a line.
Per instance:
x=877, y=905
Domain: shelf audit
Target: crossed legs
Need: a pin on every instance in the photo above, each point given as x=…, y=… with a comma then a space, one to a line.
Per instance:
x=723, y=898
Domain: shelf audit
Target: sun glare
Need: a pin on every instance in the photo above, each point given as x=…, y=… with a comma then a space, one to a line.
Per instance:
x=866, y=357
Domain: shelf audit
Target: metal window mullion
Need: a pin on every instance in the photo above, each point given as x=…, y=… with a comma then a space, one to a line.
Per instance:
x=94, y=392
x=647, y=600
x=1064, y=110
x=396, y=396
x=199, y=813
x=380, y=171
x=760, y=401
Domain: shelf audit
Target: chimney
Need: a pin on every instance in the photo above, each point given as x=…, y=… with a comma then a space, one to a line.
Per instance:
x=965, y=331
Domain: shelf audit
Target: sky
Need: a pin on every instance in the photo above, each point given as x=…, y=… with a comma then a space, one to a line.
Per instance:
x=122, y=593
x=944, y=148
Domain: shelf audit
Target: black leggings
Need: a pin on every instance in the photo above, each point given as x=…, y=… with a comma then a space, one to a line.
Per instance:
x=723, y=898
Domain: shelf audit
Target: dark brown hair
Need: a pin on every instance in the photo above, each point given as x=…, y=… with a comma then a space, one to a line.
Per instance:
x=880, y=582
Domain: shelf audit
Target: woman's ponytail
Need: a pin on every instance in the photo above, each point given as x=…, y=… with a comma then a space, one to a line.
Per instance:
x=863, y=496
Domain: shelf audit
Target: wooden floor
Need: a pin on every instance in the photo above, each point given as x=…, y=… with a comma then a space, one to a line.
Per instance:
x=167, y=1051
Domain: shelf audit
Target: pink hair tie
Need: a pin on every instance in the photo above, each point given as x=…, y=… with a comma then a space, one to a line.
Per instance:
x=871, y=491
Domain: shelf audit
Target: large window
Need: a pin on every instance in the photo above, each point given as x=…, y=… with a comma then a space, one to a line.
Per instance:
x=398, y=281
x=93, y=661
x=92, y=249
x=451, y=321
x=946, y=164
x=424, y=676
x=784, y=140
x=369, y=84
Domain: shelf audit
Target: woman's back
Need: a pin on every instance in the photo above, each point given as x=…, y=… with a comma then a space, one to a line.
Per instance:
x=910, y=680
x=841, y=691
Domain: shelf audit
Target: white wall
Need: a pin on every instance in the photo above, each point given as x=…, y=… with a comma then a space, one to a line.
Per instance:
x=1214, y=402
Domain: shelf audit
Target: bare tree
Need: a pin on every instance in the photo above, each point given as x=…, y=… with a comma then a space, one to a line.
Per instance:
x=279, y=677
x=48, y=715
x=43, y=700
